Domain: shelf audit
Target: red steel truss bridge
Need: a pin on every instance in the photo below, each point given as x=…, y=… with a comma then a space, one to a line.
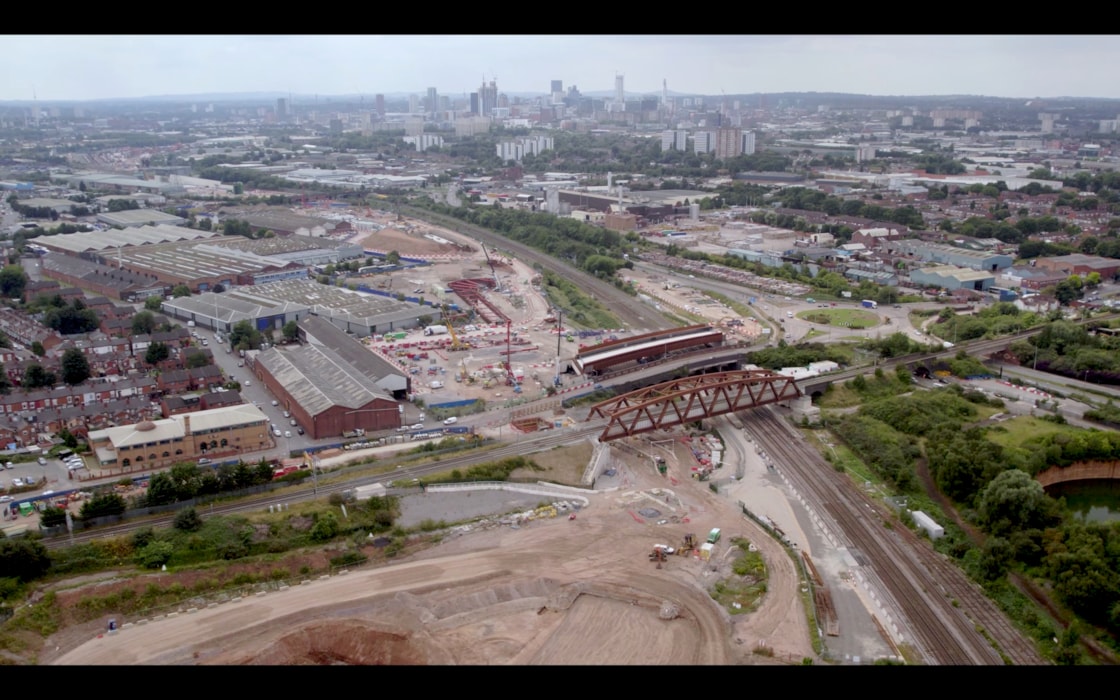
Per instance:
x=691, y=399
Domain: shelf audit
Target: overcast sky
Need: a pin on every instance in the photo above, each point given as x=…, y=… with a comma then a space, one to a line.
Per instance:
x=96, y=67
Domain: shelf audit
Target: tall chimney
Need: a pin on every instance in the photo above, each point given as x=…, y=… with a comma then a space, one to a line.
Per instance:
x=186, y=425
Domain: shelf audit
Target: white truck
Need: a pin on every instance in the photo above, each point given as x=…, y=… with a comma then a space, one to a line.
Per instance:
x=435, y=330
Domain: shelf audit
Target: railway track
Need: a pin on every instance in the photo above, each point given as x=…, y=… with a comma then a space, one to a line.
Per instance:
x=303, y=493
x=950, y=620
x=631, y=311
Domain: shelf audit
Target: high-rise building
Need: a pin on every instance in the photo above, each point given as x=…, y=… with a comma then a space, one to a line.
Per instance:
x=488, y=97
x=281, y=108
x=379, y=101
x=729, y=143
x=702, y=142
x=476, y=105
x=557, y=86
x=748, y=143
x=413, y=104
x=619, y=94
x=432, y=103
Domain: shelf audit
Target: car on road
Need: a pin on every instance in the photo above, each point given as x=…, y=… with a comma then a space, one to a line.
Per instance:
x=9, y=465
x=248, y=382
x=6, y=499
x=416, y=426
x=287, y=433
x=276, y=432
x=275, y=402
x=450, y=421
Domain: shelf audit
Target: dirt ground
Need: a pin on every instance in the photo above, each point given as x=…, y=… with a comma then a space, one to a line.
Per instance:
x=551, y=591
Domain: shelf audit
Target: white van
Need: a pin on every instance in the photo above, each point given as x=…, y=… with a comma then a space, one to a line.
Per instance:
x=451, y=421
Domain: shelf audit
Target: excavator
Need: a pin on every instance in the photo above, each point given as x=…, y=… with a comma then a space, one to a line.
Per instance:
x=688, y=545
x=657, y=555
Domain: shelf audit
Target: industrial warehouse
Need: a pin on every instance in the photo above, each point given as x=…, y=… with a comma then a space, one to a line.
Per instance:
x=270, y=306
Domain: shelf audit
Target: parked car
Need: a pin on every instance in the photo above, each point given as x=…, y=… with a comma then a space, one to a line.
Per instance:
x=416, y=426
x=287, y=433
x=275, y=402
x=299, y=430
x=42, y=460
x=451, y=421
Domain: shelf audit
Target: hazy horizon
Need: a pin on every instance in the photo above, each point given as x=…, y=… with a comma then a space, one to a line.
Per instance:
x=88, y=68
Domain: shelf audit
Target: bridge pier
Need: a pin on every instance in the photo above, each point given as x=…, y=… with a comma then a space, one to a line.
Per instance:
x=803, y=407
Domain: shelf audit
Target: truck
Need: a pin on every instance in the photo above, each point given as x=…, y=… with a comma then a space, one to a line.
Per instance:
x=869, y=304
x=356, y=432
x=435, y=330
x=713, y=535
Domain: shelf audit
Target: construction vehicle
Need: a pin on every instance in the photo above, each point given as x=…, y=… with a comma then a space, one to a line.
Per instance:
x=456, y=344
x=661, y=466
x=657, y=555
x=688, y=545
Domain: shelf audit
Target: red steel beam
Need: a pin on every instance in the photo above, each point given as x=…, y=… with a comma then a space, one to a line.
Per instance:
x=690, y=399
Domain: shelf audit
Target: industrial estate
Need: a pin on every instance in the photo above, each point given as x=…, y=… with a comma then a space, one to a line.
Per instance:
x=657, y=378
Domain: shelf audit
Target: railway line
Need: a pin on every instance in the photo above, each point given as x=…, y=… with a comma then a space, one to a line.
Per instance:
x=949, y=619
x=631, y=311
x=545, y=441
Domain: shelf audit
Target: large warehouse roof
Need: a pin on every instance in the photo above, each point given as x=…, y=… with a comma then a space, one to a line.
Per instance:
x=318, y=379
x=104, y=240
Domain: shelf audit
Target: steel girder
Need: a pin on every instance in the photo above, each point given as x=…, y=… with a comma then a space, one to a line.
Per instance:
x=690, y=399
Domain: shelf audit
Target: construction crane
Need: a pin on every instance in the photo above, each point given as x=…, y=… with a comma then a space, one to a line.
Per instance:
x=456, y=344
x=497, y=284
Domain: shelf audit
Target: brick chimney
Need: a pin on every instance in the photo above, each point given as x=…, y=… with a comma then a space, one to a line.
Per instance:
x=186, y=425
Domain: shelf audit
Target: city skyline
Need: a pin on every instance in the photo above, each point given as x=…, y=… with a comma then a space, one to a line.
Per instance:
x=79, y=68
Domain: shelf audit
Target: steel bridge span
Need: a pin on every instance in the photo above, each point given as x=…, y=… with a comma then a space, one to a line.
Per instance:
x=690, y=399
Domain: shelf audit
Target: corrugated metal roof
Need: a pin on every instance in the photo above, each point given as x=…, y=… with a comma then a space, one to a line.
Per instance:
x=319, y=379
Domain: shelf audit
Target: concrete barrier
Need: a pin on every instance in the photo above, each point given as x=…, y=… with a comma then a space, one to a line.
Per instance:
x=260, y=593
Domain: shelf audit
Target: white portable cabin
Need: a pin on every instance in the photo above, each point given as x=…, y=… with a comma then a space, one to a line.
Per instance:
x=927, y=523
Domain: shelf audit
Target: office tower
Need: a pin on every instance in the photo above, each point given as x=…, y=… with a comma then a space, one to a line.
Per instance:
x=379, y=101
x=488, y=97
x=476, y=107
x=619, y=93
x=413, y=104
x=281, y=108
x=557, y=86
x=432, y=103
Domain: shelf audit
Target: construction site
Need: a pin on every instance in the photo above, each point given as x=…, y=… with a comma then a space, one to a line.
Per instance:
x=623, y=573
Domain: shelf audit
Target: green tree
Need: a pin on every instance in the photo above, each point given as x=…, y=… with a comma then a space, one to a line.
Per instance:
x=157, y=353
x=35, y=377
x=153, y=303
x=244, y=336
x=291, y=331
x=75, y=367
x=188, y=520
x=52, y=516
x=38, y=349
x=155, y=554
x=143, y=323
x=1014, y=501
x=393, y=258
x=13, y=280
x=180, y=290
x=101, y=505
x=198, y=359
x=23, y=558
x=325, y=528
